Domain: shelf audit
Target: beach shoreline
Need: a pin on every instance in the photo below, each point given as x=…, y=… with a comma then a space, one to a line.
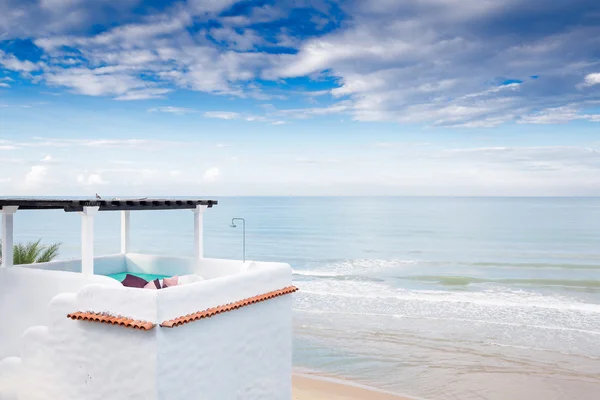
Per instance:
x=316, y=387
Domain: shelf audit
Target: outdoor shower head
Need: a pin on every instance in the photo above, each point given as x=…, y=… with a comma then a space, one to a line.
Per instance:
x=233, y=226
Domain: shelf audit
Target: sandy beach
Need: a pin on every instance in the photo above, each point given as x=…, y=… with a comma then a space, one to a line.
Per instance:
x=315, y=388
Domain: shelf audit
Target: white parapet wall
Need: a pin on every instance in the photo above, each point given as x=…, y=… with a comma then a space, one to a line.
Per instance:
x=208, y=268
x=103, y=265
x=244, y=352
x=24, y=299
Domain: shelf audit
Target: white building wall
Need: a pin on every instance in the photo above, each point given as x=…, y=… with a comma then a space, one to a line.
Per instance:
x=159, y=265
x=208, y=268
x=24, y=299
x=71, y=360
x=242, y=354
x=103, y=265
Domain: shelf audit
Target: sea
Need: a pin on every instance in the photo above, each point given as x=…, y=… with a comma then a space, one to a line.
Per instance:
x=431, y=297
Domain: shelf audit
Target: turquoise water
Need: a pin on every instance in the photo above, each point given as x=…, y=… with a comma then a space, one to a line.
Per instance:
x=442, y=298
x=148, y=277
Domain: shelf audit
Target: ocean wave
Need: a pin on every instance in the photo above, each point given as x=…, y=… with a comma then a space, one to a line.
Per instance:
x=521, y=265
x=467, y=280
x=335, y=276
x=317, y=273
x=454, y=319
x=499, y=297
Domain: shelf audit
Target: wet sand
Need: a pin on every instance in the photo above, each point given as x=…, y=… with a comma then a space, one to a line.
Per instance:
x=315, y=388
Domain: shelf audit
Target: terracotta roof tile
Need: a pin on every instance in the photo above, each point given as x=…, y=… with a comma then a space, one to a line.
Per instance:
x=227, y=307
x=109, y=319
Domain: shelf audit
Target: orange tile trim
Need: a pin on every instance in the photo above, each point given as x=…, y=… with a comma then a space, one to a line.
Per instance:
x=227, y=307
x=109, y=319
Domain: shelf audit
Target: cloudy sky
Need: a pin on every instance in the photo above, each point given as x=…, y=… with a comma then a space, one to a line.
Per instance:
x=300, y=97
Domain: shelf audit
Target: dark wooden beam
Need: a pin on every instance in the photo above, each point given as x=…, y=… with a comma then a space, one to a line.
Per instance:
x=74, y=205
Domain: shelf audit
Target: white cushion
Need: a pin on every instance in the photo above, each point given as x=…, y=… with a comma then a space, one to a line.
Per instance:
x=185, y=279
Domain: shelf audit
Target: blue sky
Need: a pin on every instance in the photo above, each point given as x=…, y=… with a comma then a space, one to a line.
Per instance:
x=300, y=97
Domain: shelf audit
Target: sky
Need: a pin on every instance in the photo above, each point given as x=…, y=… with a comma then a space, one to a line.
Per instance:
x=300, y=97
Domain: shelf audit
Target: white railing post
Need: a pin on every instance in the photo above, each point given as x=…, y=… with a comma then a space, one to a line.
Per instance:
x=87, y=240
x=125, y=237
x=8, y=213
x=199, y=232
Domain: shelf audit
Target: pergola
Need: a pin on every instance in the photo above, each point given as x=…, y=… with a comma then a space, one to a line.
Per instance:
x=88, y=209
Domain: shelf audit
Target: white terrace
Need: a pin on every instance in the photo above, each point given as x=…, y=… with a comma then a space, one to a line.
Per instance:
x=68, y=331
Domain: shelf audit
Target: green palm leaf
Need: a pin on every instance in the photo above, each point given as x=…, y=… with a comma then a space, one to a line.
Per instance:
x=32, y=252
x=49, y=253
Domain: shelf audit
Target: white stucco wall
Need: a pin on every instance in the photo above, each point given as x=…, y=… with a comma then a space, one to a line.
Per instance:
x=241, y=354
x=208, y=268
x=71, y=360
x=103, y=265
x=24, y=299
x=159, y=265
x=198, y=296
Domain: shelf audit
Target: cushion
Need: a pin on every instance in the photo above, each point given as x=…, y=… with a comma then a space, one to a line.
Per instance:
x=185, y=279
x=155, y=284
x=172, y=281
x=134, y=281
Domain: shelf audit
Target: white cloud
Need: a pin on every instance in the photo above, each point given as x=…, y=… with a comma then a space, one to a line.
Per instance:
x=91, y=179
x=4, y=85
x=247, y=40
x=592, y=79
x=12, y=63
x=122, y=162
x=48, y=158
x=100, y=82
x=558, y=115
x=173, y=110
x=436, y=62
x=386, y=145
x=144, y=94
x=305, y=160
x=100, y=143
x=341, y=107
x=37, y=176
x=7, y=147
x=228, y=115
x=211, y=174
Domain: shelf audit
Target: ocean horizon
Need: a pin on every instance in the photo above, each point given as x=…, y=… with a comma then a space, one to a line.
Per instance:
x=434, y=297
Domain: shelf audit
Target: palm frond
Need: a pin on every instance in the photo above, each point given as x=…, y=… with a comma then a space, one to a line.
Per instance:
x=19, y=252
x=32, y=252
x=49, y=253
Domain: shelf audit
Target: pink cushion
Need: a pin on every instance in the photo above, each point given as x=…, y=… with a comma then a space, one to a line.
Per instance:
x=155, y=284
x=172, y=281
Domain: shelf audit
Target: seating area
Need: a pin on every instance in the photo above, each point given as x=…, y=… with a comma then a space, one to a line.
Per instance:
x=142, y=326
